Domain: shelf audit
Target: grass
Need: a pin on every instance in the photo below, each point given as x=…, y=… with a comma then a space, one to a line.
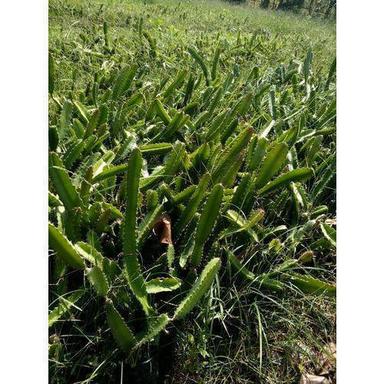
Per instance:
x=239, y=332
x=175, y=26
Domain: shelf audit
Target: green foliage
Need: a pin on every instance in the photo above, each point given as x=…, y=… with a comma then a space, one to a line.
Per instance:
x=120, y=330
x=172, y=153
x=132, y=266
x=65, y=304
x=206, y=223
x=311, y=285
x=272, y=163
x=239, y=268
x=51, y=74
x=319, y=8
x=154, y=328
x=194, y=202
x=62, y=183
x=123, y=81
x=200, y=61
x=63, y=247
x=295, y=175
x=162, y=285
x=98, y=279
x=197, y=291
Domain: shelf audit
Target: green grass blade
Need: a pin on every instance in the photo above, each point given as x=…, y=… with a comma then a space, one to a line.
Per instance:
x=65, y=304
x=239, y=268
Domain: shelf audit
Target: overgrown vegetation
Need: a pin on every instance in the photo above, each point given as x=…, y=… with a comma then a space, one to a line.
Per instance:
x=191, y=193
x=317, y=8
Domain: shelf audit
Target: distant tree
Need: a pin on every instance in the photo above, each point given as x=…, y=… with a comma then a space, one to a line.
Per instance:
x=290, y=5
x=264, y=3
x=331, y=5
x=323, y=8
x=311, y=6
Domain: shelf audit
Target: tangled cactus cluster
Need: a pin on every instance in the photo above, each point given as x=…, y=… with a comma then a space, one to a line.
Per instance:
x=154, y=193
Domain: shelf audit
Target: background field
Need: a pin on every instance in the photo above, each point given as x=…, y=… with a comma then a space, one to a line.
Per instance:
x=239, y=333
x=175, y=26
